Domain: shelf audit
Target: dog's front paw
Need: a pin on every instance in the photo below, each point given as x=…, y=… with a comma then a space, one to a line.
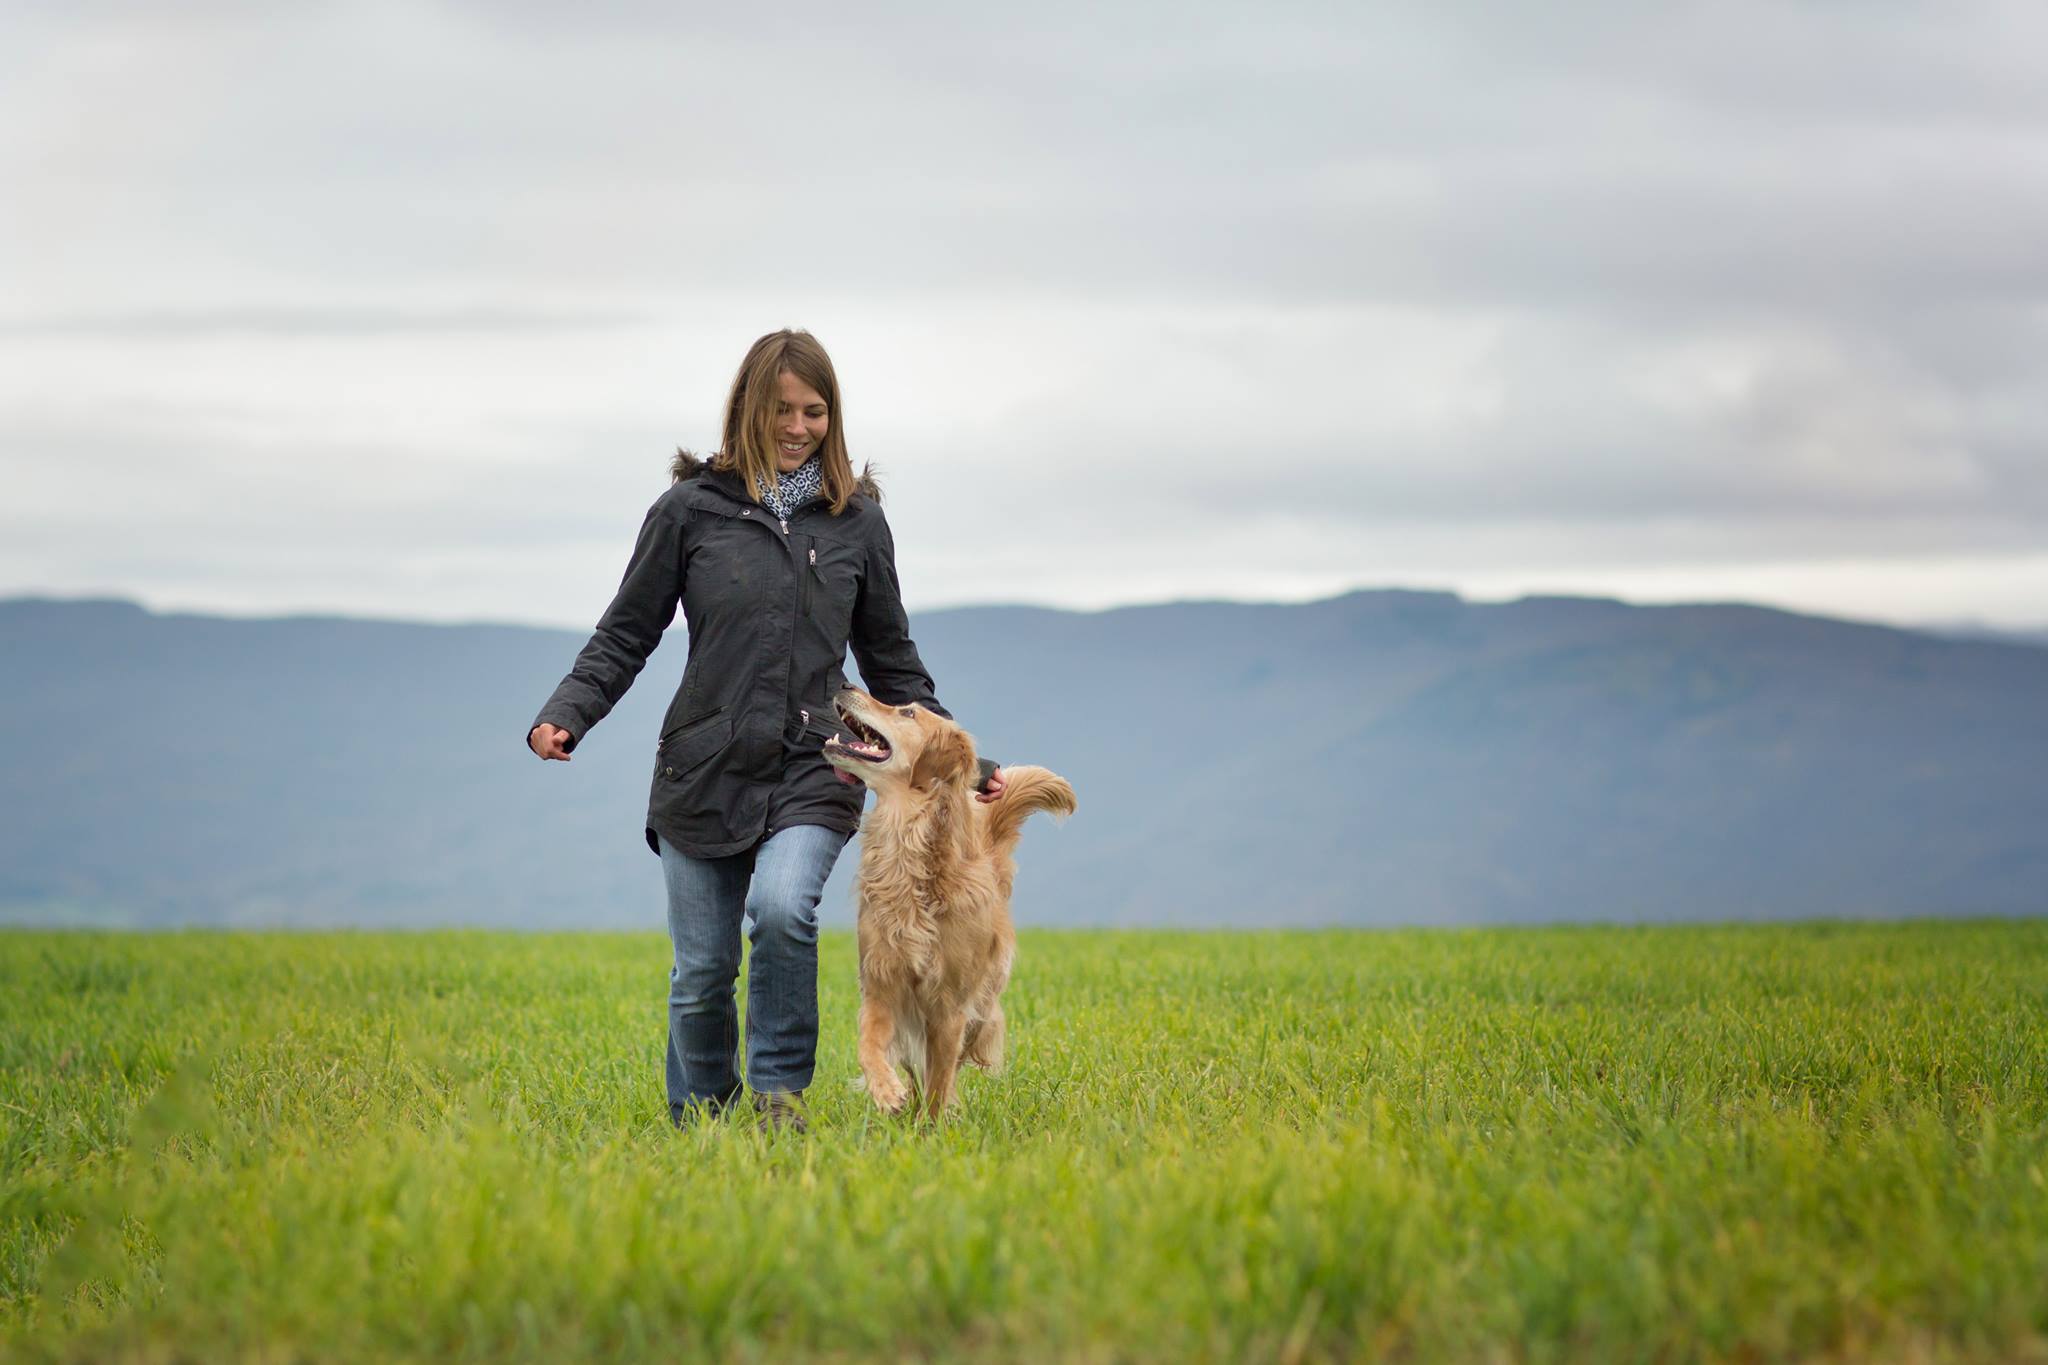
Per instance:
x=889, y=1092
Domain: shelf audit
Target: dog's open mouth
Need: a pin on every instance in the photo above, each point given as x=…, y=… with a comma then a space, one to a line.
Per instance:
x=867, y=744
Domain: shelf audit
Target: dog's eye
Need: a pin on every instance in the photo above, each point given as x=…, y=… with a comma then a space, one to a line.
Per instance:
x=906, y=710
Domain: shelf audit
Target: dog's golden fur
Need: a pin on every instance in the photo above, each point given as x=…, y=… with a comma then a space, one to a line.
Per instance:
x=933, y=896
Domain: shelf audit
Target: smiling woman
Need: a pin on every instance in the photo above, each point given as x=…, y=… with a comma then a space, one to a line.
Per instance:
x=782, y=413
x=780, y=559
x=802, y=419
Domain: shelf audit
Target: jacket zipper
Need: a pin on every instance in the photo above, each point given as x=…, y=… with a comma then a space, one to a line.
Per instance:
x=803, y=596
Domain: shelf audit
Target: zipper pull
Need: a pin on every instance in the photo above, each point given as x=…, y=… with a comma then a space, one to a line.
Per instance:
x=785, y=524
x=814, y=554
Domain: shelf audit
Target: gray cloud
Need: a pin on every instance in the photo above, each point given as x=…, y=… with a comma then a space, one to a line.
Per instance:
x=286, y=322
x=1769, y=277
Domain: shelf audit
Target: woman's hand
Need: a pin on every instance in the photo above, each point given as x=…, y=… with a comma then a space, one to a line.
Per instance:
x=992, y=789
x=549, y=741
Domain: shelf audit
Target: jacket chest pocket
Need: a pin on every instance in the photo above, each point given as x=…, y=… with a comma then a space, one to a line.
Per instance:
x=832, y=574
x=731, y=564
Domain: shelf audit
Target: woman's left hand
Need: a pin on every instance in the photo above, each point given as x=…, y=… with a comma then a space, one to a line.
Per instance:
x=993, y=789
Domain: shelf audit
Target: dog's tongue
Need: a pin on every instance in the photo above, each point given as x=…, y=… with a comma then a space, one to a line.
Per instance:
x=846, y=777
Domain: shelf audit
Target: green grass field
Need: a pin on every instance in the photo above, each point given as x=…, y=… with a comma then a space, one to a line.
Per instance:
x=1671, y=1144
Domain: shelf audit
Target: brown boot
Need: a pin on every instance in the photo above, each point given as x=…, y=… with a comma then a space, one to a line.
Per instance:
x=780, y=1109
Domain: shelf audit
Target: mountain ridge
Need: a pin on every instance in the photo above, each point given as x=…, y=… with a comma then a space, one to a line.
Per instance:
x=1952, y=629
x=1381, y=756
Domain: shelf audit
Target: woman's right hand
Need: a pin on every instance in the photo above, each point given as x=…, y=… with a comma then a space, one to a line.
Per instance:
x=549, y=741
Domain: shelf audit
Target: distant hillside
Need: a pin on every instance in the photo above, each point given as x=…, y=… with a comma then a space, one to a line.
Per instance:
x=1378, y=758
x=1971, y=630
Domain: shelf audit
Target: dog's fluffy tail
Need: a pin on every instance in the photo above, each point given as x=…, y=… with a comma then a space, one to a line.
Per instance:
x=1026, y=789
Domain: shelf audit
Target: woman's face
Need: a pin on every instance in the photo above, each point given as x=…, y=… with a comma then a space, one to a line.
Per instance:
x=801, y=420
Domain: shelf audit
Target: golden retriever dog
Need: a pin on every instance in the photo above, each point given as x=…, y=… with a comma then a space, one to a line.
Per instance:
x=933, y=894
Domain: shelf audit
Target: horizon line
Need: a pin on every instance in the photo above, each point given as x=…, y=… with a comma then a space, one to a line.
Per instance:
x=1948, y=628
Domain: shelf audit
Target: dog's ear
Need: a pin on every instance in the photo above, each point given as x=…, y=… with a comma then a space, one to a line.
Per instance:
x=947, y=756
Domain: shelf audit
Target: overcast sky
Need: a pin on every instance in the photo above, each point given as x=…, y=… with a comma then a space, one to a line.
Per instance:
x=400, y=308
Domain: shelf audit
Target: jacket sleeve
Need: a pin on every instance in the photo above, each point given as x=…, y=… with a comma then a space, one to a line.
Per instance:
x=882, y=645
x=628, y=631
x=881, y=634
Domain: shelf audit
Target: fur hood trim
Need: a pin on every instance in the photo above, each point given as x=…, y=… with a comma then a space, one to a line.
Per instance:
x=686, y=466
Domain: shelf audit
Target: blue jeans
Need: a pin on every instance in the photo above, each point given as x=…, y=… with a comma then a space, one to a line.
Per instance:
x=776, y=884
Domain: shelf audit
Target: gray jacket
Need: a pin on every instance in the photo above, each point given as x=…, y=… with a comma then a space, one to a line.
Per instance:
x=771, y=607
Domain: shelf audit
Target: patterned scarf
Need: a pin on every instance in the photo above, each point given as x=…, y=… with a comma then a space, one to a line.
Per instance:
x=794, y=489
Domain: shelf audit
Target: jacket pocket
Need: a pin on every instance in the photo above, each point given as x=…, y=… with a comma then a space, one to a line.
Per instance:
x=688, y=745
x=831, y=580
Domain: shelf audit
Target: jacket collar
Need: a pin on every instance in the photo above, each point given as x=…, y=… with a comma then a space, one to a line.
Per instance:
x=687, y=466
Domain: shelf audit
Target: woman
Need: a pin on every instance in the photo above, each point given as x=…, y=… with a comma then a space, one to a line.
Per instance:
x=780, y=558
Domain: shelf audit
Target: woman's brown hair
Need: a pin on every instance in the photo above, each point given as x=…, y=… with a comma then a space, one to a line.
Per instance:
x=749, y=444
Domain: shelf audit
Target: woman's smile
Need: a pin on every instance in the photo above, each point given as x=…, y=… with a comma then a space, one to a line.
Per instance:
x=801, y=421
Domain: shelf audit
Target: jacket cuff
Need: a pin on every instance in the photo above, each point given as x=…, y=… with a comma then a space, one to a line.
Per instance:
x=988, y=769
